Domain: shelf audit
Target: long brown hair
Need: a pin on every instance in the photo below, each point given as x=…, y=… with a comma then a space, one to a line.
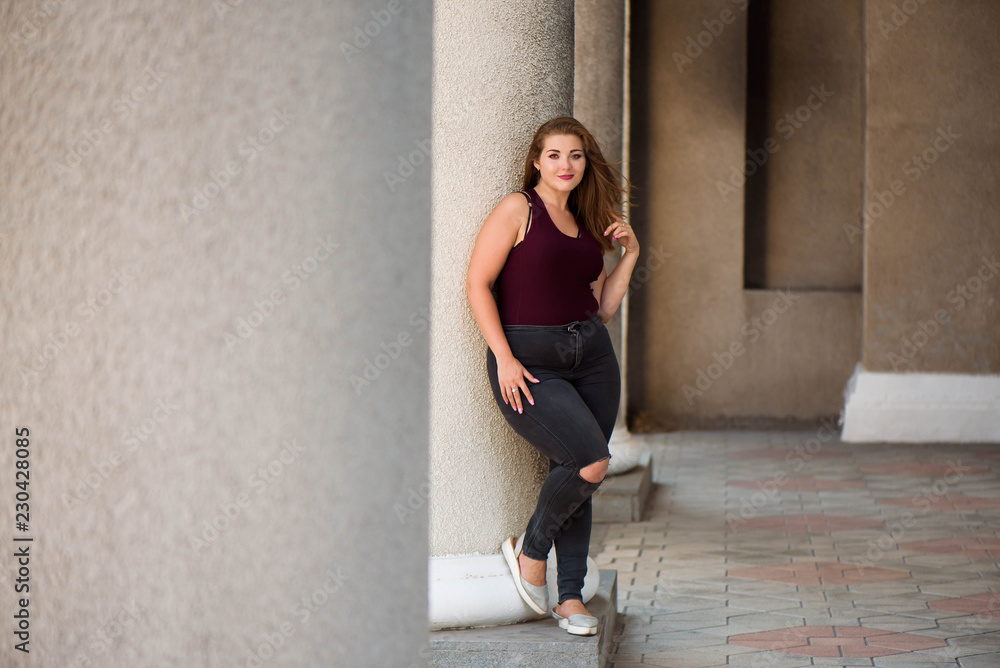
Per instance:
x=601, y=192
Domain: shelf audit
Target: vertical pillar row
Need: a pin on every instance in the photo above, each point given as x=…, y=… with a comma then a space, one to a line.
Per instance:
x=599, y=103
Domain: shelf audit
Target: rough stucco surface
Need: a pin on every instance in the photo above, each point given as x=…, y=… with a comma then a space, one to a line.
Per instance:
x=688, y=131
x=932, y=72
x=598, y=93
x=500, y=70
x=599, y=63
x=158, y=335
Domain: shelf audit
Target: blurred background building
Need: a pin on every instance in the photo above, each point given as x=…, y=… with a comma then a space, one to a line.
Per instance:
x=825, y=177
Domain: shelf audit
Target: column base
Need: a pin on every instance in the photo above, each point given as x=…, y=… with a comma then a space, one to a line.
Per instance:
x=623, y=498
x=535, y=644
x=625, y=451
x=475, y=591
x=921, y=408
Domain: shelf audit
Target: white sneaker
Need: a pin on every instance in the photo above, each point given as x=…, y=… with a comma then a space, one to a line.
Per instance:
x=536, y=596
x=578, y=624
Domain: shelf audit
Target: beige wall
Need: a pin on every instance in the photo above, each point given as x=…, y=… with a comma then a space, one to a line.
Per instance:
x=809, y=182
x=703, y=350
x=931, y=298
x=131, y=301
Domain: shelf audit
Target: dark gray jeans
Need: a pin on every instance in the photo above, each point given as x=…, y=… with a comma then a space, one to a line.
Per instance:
x=576, y=404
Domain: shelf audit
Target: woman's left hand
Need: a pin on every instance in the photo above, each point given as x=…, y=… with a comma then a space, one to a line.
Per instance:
x=622, y=232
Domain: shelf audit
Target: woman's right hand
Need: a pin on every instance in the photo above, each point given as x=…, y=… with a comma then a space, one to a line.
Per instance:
x=511, y=375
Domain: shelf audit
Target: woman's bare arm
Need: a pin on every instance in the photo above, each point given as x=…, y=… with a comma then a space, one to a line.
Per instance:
x=495, y=240
x=609, y=290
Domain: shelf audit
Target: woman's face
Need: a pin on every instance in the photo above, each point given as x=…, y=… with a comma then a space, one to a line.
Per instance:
x=561, y=162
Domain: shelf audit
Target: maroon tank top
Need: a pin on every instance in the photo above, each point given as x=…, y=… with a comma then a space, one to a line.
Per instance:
x=546, y=278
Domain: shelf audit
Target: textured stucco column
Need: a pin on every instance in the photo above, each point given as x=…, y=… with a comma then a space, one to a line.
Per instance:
x=931, y=364
x=501, y=68
x=598, y=103
x=206, y=273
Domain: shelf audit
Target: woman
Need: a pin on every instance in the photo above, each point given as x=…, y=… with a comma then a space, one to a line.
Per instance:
x=550, y=361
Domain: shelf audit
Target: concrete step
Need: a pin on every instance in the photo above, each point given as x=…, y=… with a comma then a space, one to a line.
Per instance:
x=536, y=644
x=623, y=498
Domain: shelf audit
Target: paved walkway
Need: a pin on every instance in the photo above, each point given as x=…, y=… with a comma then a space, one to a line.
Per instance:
x=778, y=549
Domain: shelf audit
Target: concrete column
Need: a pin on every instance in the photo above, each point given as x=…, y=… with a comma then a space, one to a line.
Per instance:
x=930, y=371
x=501, y=68
x=598, y=103
x=209, y=240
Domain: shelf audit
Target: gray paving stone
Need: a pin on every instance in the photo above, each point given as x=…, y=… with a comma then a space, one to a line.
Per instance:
x=979, y=661
x=686, y=606
x=760, y=659
x=912, y=660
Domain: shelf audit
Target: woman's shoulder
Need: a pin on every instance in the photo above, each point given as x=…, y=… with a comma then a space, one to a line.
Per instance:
x=515, y=205
x=520, y=197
